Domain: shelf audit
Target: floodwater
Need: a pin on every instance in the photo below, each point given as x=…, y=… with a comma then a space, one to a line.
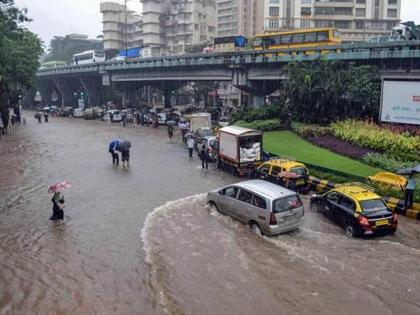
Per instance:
x=142, y=241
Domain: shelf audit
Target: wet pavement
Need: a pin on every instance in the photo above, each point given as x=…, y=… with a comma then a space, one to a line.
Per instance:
x=124, y=249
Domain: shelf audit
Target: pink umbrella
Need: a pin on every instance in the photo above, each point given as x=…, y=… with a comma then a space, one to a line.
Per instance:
x=58, y=187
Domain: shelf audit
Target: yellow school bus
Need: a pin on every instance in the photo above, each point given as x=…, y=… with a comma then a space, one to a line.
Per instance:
x=297, y=39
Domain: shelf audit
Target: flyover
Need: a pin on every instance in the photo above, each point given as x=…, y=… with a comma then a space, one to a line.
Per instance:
x=257, y=72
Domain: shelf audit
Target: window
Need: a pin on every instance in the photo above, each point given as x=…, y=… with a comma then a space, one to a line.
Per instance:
x=245, y=196
x=274, y=11
x=305, y=23
x=333, y=196
x=361, y=1
x=265, y=169
x=259, y=202
x=373, y=205
x=285, y=39
x=347, y=203
x=301, y=170
x=360, y=25
x=392, y=13
x=230, y=192
x=274, y=24
x=392, y=1
x=305, y=11
x=297, y=38
x=275, y=170
x=286, y=204
x=322, y=36
x=360, y=12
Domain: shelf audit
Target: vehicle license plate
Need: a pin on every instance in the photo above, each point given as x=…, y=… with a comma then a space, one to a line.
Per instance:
x=381, y=222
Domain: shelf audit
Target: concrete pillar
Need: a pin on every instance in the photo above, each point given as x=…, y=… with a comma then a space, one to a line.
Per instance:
x=45, y=88
x=93, y=89
x=67, y=87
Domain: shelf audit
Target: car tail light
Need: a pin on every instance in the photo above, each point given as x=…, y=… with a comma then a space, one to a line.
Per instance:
x=394, y=217
x=363, y=220
x=273, y=220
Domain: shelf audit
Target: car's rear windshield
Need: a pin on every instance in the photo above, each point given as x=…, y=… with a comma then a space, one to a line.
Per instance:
x=372, y=205
x=116, y=112
x=298, y=170
x=286, y=204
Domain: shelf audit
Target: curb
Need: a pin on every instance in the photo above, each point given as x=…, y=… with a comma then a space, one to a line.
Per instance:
x=397, y=205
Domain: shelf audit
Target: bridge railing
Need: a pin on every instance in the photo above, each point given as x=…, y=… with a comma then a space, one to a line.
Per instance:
x=357, y=51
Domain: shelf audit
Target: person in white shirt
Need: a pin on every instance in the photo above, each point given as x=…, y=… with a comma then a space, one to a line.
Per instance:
x=190, y=144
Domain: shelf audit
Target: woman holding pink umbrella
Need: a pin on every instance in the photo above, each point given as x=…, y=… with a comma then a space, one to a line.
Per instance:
x=58, y=200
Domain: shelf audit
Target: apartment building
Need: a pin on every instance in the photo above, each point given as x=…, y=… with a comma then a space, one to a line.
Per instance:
x=171, y=26
x=244, y=17
x=120, y=27
x=358, y=20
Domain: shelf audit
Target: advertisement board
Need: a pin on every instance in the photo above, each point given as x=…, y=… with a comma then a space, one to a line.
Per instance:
x=400, y=101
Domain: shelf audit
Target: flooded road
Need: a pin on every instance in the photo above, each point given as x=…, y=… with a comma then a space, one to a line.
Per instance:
x=93, y=263
x=124, y=249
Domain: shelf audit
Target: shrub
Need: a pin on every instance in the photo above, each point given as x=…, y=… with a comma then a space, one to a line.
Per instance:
x=386, y=162
x=305, y=130
x=340, y=146
x=261, y=113
x=370, y=135
x=262, y=125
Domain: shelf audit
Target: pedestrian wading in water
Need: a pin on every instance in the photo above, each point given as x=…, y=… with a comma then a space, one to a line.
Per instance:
x=58, y=207
x=111, y=149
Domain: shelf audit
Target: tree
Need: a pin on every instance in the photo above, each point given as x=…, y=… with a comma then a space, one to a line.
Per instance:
x=323, y=91
x=19, y=52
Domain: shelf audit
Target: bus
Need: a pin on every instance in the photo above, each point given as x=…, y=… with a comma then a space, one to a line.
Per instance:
x=297, y=39
x=89, y=56
x=52, y=64
x=228, y=43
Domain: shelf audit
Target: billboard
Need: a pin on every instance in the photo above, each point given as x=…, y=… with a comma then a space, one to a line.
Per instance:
x=400, y=101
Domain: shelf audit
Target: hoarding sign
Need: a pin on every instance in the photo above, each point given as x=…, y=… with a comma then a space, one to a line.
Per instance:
x=400, y=101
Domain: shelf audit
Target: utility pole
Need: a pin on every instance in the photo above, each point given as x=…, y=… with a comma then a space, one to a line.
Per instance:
x=125, y=28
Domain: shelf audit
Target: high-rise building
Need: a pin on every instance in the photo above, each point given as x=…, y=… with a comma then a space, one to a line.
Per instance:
x=358, y=20
x=240, y=17
x=121, y=27
x=171, y=26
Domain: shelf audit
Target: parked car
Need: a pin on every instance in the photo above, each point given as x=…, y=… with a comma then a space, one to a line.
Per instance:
x=89, y=113
x=78, y=113
x=201, y=133
x=266, y=207
x=113, y=115
x=356, y=208
x=129, y=117
x=209, y=142
x=285, y=172
x=65, y=111
x=161, y=118
x=223, y=122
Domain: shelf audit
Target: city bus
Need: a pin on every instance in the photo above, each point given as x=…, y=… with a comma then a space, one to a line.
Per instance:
x=228, y=43
x=297, y=39
x=89, y=56
x=52, y=64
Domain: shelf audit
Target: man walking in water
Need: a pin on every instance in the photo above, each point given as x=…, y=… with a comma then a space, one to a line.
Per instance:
x=112, y=147
x=190, y=144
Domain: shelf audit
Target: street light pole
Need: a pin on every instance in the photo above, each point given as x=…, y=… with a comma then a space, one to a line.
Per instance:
x=125, y=28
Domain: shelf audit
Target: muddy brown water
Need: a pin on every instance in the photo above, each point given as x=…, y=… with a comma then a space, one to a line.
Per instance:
x=142, y=241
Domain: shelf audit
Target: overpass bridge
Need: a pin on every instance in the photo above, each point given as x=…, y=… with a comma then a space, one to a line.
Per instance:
x=256, y=72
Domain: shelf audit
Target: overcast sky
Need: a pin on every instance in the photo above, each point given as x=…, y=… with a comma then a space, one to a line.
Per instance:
x=61, y=17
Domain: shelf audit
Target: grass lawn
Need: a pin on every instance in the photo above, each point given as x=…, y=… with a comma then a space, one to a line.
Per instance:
x=287, y=143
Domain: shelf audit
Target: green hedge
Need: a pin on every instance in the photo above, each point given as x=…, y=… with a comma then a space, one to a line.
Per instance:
x=372, y=136
x=262, y=125
x=386, y=162
x=305, y=130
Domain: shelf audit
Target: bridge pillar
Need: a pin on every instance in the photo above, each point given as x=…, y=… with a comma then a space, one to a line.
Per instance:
x=69, y=89
x=46, y=89
x=93, y=88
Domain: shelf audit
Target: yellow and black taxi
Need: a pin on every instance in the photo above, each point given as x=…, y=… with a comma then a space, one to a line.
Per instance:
x=357, y=208
x=285, y=172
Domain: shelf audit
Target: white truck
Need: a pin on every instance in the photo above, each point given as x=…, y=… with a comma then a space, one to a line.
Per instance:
x=240, y=149
x=199, y=120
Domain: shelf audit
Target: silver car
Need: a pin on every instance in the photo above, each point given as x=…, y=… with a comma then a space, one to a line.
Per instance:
x=266, y=207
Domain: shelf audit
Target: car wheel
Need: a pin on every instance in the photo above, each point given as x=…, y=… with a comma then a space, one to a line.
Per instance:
x=255, y=227
x=212, y=204
x=350, y=230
